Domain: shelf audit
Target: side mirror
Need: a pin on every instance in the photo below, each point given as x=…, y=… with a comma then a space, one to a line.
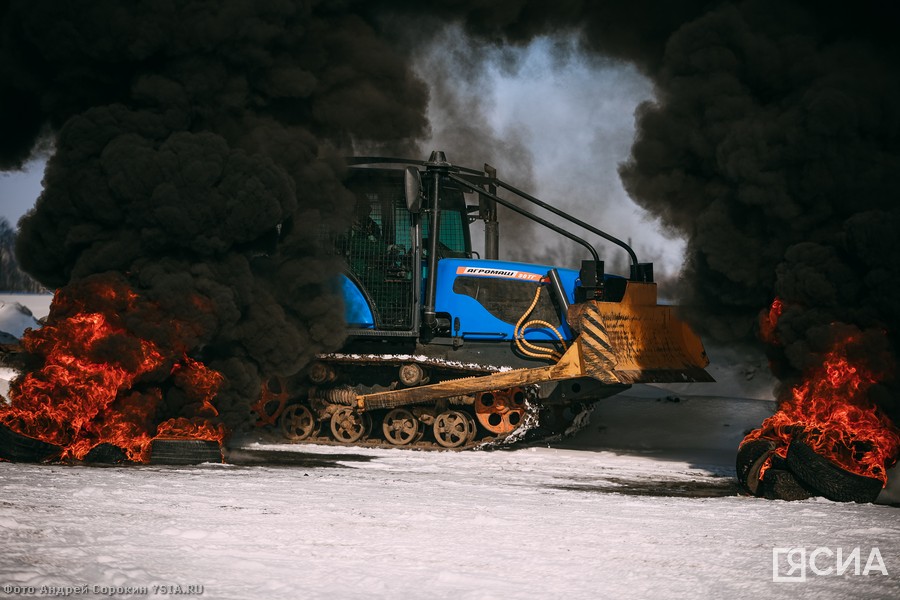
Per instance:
x=412, y=184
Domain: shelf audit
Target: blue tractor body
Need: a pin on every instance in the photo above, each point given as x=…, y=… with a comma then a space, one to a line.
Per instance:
x=450, y=344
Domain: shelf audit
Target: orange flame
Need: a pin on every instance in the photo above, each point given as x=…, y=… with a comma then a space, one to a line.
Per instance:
x=833, y=413
x=768, y=321
x=99, y=382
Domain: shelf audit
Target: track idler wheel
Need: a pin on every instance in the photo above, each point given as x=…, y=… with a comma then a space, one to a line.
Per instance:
x=349, y=426
x=272, y=399
x=452, y=429
x=500, y=412
x=298, y=422
x=401, y=427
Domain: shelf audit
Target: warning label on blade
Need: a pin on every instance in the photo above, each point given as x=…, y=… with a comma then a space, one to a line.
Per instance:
x=508, y=274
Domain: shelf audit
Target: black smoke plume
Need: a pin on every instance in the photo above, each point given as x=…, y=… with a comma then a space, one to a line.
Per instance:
x=772, y=147
x=197, y=152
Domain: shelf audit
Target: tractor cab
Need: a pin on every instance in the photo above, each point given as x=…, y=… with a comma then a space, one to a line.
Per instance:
x=401, y=281
x=387, y=248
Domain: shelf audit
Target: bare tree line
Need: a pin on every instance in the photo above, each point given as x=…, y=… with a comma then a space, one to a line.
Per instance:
x=12, y=278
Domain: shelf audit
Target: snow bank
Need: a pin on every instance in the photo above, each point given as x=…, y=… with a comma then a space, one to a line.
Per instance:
x=15, y=318
x=17, y=313
x=38, y=304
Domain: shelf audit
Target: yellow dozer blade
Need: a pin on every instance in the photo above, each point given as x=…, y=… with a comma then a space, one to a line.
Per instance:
x=631, y=341
x=638, y=340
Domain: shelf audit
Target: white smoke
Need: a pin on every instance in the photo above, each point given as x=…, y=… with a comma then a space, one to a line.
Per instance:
x=556, y=121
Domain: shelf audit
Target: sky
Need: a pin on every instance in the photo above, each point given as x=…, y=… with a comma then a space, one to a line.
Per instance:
x=553, y=120
x=19, y=190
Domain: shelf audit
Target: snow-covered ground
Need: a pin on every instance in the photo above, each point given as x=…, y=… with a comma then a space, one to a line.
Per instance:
x=640, y=504
x=323, y=522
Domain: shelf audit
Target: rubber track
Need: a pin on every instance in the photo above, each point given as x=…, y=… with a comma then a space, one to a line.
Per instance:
x=421, y=445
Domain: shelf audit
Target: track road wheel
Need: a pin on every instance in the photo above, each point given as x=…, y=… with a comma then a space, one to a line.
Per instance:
x=297, y=422
x=400, y=427
x=473, y=428
x=348, y=426
x=500, y=412
x=451, y=429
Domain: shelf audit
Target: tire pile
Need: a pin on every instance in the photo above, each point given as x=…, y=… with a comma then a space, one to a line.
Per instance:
x=16, y=447
x=801, y=475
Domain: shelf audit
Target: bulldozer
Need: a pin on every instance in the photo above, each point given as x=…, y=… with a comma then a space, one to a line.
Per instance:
x=447, y=349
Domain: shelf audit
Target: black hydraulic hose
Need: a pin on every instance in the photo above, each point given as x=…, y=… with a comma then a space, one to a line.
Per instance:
x=560, y=292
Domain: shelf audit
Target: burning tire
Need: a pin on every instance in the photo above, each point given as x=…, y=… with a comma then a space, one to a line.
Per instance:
x=828, y=479
x=16, y=447
x=184, y=452
x=106, y=454
x=750, y=459
x=779, y=484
